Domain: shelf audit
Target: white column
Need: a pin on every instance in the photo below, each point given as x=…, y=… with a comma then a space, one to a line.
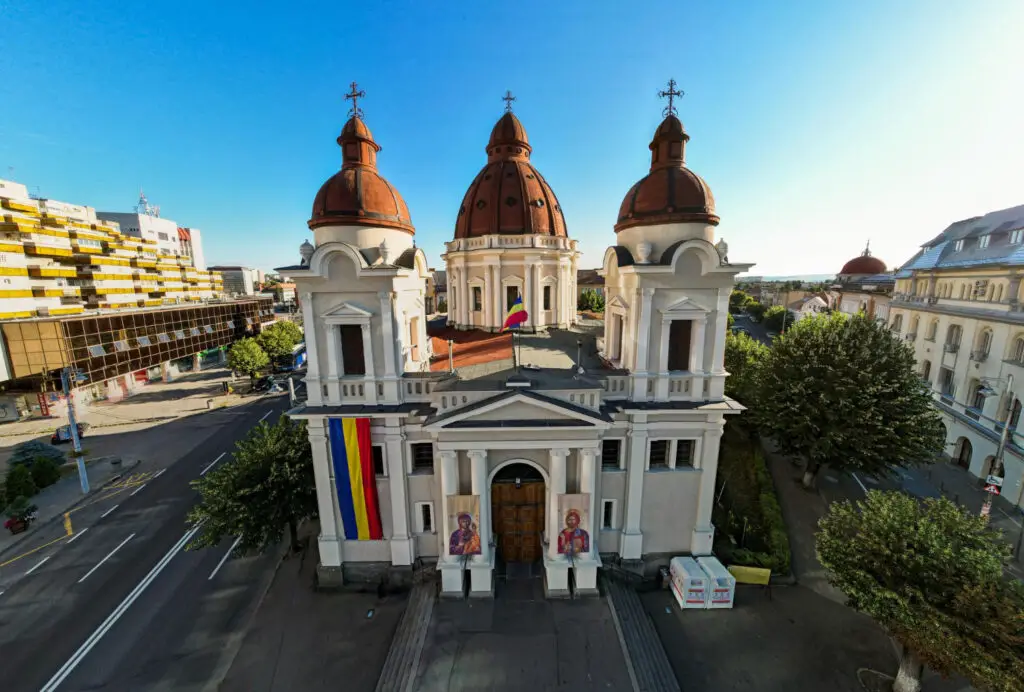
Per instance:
x=661, y=387
x=557, y=474
x=332, y=333
x=402, y=546
x=449, y=486
x=642, y=344
x=331, y=537
x=464, y=311
x=588, y=484
x=488, y=304
x=370, y=378
x=478, y=471
x=631, y=547
x=499, y=296
x=531, y=318
x=313, y=391
x=538, y=297
x=703, y=530
x=721, y=327
x=697, y=347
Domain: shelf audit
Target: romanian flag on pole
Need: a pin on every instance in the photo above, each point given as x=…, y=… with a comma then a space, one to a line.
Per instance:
x=354, y=478
x=516, y=315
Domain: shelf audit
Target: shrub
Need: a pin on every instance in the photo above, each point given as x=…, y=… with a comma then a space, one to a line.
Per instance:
x=442, y=306
x=19, y=483
x=28, y=452
x=45, y=472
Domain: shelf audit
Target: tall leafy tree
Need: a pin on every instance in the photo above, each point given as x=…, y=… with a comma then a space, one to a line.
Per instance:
x=280, y=338
x=843, y=393
x=931, y=574
x=755, y=310
x=266, y=488
x=743, y=356
x=739, y=300
x=248, y=357
x=776, y=318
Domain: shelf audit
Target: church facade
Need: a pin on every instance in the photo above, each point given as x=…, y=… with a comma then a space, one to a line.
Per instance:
x=603, y=445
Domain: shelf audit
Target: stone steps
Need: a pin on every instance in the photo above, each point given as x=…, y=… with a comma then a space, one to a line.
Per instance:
x=645, y=656
x=403, y=658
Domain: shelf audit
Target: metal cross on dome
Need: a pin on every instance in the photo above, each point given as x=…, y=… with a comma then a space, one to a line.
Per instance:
x=671, y=94
x=355, y=94
x=508, y=98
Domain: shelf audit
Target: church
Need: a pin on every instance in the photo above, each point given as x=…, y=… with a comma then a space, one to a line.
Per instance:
x=591, y=442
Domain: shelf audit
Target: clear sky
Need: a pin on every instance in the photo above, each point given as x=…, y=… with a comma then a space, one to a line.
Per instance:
x=818, y=125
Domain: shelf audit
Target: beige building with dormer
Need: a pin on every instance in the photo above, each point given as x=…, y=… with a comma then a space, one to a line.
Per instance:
x=959, y=303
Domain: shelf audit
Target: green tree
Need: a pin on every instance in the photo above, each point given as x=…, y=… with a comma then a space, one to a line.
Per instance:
x=19, y=483
x=776, y=317
x=45, y=472
x=931, y=574
x=743, y=357
x=280, y=338
x=843, y=392
x=730, y=321
x=442, y=306
x=738, y=300
x=756, y=310
x=248, y=357
x=266, y=488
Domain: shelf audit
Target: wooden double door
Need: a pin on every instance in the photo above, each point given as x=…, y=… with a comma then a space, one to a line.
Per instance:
x=517, y=511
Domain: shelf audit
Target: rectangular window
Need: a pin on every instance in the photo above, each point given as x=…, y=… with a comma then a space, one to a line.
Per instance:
x=422, y=457
x=424, y=517
x=547, y=297
x=1017, y=236
x=231, y=324
x=946, y=386
x=958, y=245
x=658, y=456
x=179, y=333
x=679, y=344
x=208, y=329
x=144, y=341
x=607, y=514
x=163, y=338
x=121, y=346
x=194, y=331
x=511, y=293
x=684, y=453
x=97, y=351
x=352, y=356
x=610, y=451
x=478, y=299
x=378, y=460
x=983, y=241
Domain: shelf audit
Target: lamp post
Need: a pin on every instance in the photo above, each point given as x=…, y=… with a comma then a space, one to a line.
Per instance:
x=65, y=380
x=997, y=463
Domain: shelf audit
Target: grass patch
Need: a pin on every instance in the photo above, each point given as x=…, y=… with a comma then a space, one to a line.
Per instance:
x=750, y=529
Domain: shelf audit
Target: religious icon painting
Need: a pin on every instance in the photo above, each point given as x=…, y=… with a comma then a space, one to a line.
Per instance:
x=574, y=532
x=464, y=519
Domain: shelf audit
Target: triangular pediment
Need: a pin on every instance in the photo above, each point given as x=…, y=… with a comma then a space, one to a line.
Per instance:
x=618, y=302
x=518, y=409
x=350, y=311
x=684, y=306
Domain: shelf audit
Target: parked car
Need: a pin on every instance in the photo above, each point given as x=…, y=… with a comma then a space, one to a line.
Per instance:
x=263, y=384
x=63, y=433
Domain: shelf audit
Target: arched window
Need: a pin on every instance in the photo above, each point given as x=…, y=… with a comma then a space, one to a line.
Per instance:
x=914, y=324
x=984, y=345
x=963, y=291
x=926, y=371
x=933, y=329
x=1018, y=350
x=953, y=334
x=897, y=323
x=999, y=293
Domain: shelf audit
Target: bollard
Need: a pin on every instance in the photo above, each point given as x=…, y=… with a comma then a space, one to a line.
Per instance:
x=209, y=404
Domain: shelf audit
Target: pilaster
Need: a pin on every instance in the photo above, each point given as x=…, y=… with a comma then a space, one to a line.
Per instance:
x=314, y=394
x=556, y=567
x=387, y=321
x=330, y=541
x=631, y=547
x=451, y=569
x=704, y=531
x=402, y=545
x=481, y=573
x=642, y=345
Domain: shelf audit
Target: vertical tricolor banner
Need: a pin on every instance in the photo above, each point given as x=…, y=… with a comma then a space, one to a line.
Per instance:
x=354, y=478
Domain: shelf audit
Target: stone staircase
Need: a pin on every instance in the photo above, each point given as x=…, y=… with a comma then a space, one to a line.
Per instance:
x=648, y=665
x=403, y=659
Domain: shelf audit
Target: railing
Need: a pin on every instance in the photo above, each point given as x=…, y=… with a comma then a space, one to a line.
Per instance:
x=680, y=386
x=951, y=348
x=616, y=386
x=352, y=392
x=417, y=389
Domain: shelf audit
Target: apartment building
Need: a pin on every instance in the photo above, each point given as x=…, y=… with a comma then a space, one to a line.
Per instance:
x=958, y=301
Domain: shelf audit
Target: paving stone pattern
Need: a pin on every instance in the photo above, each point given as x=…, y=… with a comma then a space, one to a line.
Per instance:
x=649, y=666
x=404, y=655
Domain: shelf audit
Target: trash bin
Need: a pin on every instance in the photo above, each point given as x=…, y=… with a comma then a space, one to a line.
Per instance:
x=721, y=584
x=689, y=583
x=663, y=577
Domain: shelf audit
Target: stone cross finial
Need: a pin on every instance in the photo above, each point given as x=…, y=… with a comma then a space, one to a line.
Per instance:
x=508, y=98
x=671, y=93
x=355, y=94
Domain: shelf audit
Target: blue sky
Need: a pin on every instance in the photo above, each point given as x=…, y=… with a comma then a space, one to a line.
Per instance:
x=817, y=125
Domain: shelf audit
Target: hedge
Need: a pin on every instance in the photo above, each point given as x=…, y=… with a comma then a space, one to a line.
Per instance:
x=747, y=516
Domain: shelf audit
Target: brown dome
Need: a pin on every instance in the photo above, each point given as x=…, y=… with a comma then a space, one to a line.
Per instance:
x=509, y=196
x=864, y=264
x=358, y=194
x=671, y=192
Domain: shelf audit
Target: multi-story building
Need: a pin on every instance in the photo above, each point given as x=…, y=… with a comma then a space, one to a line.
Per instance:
x=238, y=281
x=958, y=301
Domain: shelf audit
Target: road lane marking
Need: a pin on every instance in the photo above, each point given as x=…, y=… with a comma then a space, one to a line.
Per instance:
x=137, y=490
x=109, y=555
x=37, y=565
x=104, y=515
x=224, y=559
x=87, y=646
x=75, y=536
x=212, y=464
x=34, y=550
x=859, y=483
x=265, y=416
x=158, y=474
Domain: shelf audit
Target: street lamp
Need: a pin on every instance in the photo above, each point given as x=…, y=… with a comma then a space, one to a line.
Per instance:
x=997, y=471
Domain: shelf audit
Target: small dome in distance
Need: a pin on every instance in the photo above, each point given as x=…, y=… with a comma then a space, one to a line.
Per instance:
x=864, y=263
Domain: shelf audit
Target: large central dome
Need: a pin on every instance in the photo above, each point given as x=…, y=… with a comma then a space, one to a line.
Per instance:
x=509, y=196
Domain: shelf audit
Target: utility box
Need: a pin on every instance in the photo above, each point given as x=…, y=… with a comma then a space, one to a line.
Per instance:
x=721, y=584
x=688, y=582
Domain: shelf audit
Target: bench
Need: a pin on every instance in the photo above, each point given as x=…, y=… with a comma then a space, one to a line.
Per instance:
x=758, y=576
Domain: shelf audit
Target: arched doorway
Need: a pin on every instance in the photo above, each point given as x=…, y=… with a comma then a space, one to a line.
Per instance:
x=517, y=512
x=963, y=453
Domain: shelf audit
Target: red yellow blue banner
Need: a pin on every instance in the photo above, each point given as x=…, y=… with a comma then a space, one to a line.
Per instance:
x=516, y=314
x=352, y=455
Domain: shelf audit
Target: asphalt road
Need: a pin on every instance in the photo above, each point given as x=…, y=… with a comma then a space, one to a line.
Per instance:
x=120, y=605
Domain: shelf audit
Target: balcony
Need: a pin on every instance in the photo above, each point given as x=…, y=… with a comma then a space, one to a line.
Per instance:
x=911, y=337
x=980, y=356
x=951, y=348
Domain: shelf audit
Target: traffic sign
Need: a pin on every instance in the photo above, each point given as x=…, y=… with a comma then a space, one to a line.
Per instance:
x=994, y=489
x=994, y=480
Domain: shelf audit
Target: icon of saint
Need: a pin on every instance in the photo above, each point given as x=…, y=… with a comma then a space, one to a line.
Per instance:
x=464, y=540
x=572, y=540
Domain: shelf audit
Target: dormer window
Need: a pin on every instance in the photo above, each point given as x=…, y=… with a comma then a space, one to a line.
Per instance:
x=1017, y=236
x=983, y=241
x=959, y=245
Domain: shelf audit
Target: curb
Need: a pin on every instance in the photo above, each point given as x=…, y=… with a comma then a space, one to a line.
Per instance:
x=59, y=517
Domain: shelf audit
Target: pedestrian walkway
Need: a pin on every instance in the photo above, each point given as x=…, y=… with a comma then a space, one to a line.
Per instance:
x=404, y=655
x=645, y=656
